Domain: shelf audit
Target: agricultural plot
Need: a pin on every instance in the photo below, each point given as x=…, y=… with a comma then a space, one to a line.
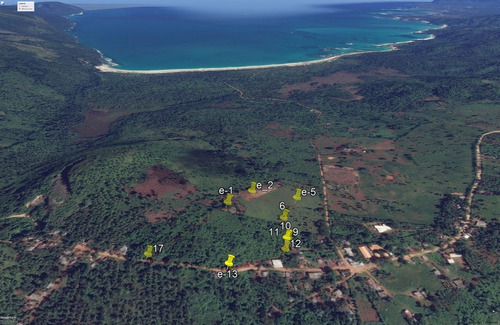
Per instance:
x=404, y=278
x=401, y=175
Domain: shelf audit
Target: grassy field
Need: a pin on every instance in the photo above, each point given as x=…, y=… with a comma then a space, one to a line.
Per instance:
x=391, y=311
x=486, y=206
x=302, y=213
x=404, y=278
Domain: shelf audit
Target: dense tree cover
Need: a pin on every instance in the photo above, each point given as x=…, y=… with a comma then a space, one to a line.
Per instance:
x=171, y=295
x=451, y=212
x=479, y=304
x=490, y=184
x=489, y=237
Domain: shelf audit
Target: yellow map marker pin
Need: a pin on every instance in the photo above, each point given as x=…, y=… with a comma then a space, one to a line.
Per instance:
x=149, y=252
x=228, y=199
x=288, y=235
x=252, y=188
x=229, y=262
x=284, y=215
x=288, y=238
x=286, y=247
x=297, y=196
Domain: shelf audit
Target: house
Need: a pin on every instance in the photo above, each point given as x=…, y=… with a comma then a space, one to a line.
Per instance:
x=451, y=261
x=407, y=314
x=376, y=247
x=382, y=294
x=356, y=264
x=459, y=283
x=277, y=264
x=418, y=294
x=315, y=275
x=337, y=294
x=382, y=228
x=124, y=250
x=481, y=224
x=454, y=255
x=365, y=251
x=348, y=251
x=300, y=275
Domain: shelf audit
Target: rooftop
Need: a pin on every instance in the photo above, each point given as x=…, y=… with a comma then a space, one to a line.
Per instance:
x=365, y=252
x=277, y=264
x=382, y=228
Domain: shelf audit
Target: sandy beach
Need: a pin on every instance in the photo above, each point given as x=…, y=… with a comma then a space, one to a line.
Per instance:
x=393, y=47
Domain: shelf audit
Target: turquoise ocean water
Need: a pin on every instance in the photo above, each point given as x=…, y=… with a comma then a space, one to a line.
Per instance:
x=173, y=38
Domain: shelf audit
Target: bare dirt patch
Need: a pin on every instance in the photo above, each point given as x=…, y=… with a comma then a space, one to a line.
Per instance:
x=22, y=215
x=82, y=250
x=247, y=196
x=207, y=203
x=97, y=122
x=432, y=99
x=383, y=145
x=107, y=254
x=341, y=175
x=169, y=187
x=154, y=217
x=341, y=77
x=161, y=181
x=39, y=199
x=366, y=311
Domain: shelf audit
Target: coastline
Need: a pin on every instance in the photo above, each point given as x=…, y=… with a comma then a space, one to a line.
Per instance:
x=393, y=46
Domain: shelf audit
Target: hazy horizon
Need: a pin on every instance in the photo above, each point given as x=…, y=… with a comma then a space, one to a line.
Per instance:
x=224, y=6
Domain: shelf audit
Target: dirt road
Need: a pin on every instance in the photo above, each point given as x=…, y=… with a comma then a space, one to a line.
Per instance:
x=323, y=182
x=479, y=172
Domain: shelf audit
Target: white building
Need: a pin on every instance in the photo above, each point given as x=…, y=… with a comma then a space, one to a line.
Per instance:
x=382, y=228
x=277, y=264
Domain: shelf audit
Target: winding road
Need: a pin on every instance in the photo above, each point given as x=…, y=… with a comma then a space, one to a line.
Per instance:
x=479, y=173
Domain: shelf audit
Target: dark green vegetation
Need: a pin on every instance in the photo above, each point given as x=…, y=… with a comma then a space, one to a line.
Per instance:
x=406, y=125
x=451, y=212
